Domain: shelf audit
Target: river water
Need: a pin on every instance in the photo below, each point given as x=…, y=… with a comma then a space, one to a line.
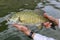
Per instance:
x=51, y=7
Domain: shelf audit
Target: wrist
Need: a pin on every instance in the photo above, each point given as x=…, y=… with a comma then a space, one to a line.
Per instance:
x=31, y=35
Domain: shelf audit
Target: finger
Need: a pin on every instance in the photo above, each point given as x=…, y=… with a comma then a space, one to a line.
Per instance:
x=49, y=25
x=46, y=23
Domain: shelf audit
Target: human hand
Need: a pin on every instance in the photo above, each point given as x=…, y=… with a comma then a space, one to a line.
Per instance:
x=20, y=27
x=56, y=21
x=47, y=24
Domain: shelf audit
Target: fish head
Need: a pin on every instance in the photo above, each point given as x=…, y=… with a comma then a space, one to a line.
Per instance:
x=12, y=19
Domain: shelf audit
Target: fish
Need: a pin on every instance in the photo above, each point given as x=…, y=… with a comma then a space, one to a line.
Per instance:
x=28, y=17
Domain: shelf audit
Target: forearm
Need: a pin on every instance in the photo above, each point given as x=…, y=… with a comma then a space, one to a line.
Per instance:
x=41, y=37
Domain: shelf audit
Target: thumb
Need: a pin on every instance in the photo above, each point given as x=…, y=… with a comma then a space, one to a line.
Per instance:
x=49, y=25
